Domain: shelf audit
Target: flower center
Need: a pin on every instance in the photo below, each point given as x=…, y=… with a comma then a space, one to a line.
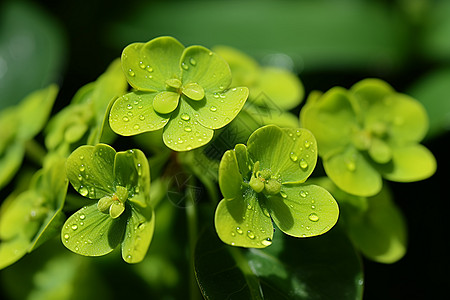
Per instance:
x=114, y=205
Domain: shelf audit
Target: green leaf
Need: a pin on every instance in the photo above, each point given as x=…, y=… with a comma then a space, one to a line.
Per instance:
x=290, y=269
x=303, y=210
x=230, y=179
x=133, y=113
x=351, y=172
x=331, y=119
x=138, y=234
x=10, y=162
x=409, y=163
x=380, y=233
x=147, y=66
x=289, y=153
x=184, y=132
x=92, y=233
x=202, y=66
x=243, y=222
x=90, y=170
x=132, y=171
x=13, y=250
x=219, y=108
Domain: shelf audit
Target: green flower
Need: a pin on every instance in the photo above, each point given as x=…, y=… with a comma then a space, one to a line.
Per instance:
x=35, y=215
x=265, y=181
x=120, y=184
x=183, y=90
x=368, y=133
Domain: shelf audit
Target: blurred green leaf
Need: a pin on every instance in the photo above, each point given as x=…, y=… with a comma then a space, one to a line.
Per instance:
x=291, y=269
x=32, y=49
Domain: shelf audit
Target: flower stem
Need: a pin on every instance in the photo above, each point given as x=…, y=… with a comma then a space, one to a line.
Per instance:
x=191, y=216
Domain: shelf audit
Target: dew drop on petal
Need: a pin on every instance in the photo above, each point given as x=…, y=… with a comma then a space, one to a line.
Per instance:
x=233, y=234
x=250, y=234
x=185, y=117
x=192, y=61
x=66, y=236
x=239, y=230
x=307, y=144
x=74, y=227
x=293, y=156
x=82, y=217
x=82, y=168
x=184, y=66
x=313, y=217
x=283, y=194
x=83, y=191
x=213, y=108
x=303, y=194
x=125, y=119
x=142, y=117
x=266, y=242
x=303, y=164
x=136, y=127
x=131, y=72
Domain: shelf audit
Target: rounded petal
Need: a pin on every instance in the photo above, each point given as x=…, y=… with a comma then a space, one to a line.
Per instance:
x=331, y=118
x=242, y=222
x=409, y=163
x=90, y=170
x=194, y=91
x=147, y=66
x=280, y=88
x=218, y=109
x=138, y=234
x=289, y=152
x=230, y=179
x=352, y=173
x=92, y=233
x=165, y=102
x=204, y=67
x=184, y=132
x=133, y=113
x=303, y=210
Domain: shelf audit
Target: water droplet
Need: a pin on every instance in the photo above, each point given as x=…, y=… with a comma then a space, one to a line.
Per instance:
x=74, y=227
x=213, y=108
x=82, y=217
x=308, y=228
x=234, y=89
x=239, y=230
x=313, y=217
x=298, y=133
x=83, y=191
x=140, y=107
x=82, y=168
x=129, y=257
x=303, y=164
x=216, y=95
x=184, y=66
x=250, y=234
x=293, y=156
x=131, y=72
x=81, y=157
x=66, y=236
x=192, y=61
x=149, y=69
x=249, y=207
x=81, y=223
x=125, y=119
x=313, y=206
x=233, y=234
x=142, y=117
x=185, y=117
x=141, y=65
x=283, y=194
x=307, y=144
x=266, y=242
x=136, y=127
x=80, y=177
x=223, y=96
x=221, y=88
x=141, y=226
x=210, y=53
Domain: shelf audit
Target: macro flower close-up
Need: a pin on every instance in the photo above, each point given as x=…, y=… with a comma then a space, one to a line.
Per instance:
x=183, y=90
x=367, y=133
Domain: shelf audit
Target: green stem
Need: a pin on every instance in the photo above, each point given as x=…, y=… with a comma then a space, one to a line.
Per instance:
x=252, y=281
x=191, y=216
x=35, y=152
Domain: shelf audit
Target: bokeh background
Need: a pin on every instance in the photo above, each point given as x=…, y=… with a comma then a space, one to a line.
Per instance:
x=325, y=42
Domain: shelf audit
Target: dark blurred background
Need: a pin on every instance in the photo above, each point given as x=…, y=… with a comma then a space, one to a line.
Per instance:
x=325, y=42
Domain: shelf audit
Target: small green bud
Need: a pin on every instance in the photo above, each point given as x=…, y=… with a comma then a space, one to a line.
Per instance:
x=104, y=204
x=272, y=187
x=121, y=193
x=257, y=184
x=116, y=209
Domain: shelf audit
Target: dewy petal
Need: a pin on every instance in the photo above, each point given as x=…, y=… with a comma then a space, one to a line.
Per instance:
x=133, y=113
x=147, y=66
x=242, y=222
x=204, y=67
x=303, y=210
x=166, y=102
x=352, y=173
x=184, y=132
x=218, y=109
